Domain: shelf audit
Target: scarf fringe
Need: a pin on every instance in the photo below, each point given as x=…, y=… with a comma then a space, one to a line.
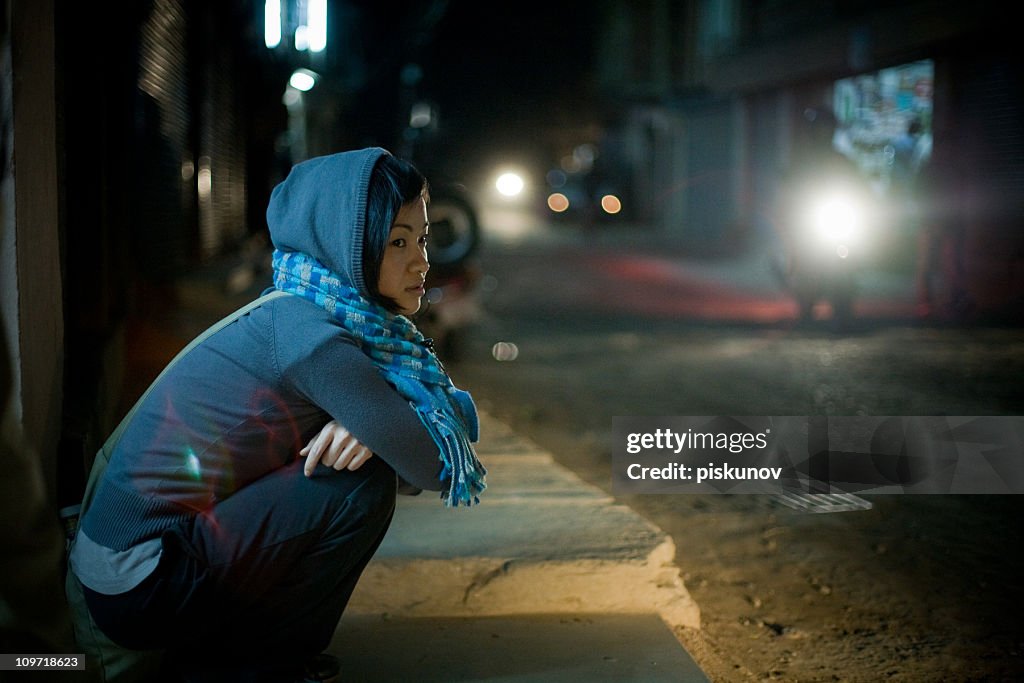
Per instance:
x=463, y=472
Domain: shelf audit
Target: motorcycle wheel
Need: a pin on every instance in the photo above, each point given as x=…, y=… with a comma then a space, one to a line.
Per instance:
x=454, y=229
x=842, y=293
x=806, y=306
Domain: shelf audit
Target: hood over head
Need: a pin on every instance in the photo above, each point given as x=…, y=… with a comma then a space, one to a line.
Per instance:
x=320, y=210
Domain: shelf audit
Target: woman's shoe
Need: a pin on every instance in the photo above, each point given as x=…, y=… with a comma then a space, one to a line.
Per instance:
x=323, y=668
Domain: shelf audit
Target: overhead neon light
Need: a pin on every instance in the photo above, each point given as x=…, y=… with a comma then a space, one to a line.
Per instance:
x=272, y=23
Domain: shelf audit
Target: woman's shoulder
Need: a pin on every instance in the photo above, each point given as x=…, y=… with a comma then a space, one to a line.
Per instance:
x=300, y=326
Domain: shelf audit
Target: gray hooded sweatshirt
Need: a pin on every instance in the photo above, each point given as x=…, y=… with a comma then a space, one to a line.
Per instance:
x=248, y=398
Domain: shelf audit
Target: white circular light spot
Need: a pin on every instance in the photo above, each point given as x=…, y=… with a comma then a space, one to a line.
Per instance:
x=509, y=184
x=505, y=351
x=303, y=80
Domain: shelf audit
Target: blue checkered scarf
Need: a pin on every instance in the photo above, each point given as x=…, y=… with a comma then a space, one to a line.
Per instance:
x=407, y=363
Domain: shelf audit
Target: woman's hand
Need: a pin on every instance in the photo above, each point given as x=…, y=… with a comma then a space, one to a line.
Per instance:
x=335, y=447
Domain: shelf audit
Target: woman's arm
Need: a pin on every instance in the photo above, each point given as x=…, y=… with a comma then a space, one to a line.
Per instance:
x=326, y=367
x=336, y=447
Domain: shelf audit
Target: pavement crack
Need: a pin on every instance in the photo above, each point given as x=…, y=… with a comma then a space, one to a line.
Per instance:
x=485, y=578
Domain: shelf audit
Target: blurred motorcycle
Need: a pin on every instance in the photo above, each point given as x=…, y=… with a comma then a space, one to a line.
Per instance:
x=828, y=222
x=452, y=301
x=831, y=226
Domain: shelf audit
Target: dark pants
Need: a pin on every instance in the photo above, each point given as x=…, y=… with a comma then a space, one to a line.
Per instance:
x=255, y=587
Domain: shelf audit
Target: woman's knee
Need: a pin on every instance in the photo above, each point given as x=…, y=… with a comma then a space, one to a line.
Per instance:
x=377, y=494
x=372, y=500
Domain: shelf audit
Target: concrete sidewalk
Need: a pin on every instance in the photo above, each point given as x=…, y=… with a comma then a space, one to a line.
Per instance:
x=548, y=579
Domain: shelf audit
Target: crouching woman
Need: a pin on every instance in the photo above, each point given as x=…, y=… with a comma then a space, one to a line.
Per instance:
x=256, y=478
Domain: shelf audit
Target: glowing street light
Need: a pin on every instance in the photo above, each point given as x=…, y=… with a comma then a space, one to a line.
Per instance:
x=272, y=23
x=303, y=80
x=317, y=25
x=305, y=21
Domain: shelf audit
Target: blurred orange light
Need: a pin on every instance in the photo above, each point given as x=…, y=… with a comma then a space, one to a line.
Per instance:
x=611, y=204
x=558, y=202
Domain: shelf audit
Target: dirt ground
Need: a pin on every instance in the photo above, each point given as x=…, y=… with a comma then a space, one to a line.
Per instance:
x=917, y=588
x=905, y=591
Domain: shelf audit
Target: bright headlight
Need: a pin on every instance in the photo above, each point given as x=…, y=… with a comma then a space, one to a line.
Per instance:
x=836, y=218
x=509, y=184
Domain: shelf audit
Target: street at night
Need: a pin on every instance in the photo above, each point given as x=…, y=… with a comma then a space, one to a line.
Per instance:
x=917, y=588
x=483, y=249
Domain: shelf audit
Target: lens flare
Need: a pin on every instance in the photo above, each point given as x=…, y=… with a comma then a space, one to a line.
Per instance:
x=192, y=464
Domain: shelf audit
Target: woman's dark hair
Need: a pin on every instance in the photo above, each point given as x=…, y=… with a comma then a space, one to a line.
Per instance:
x=393, y=184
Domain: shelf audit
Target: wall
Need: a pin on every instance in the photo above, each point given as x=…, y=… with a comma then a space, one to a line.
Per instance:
x=32, y=287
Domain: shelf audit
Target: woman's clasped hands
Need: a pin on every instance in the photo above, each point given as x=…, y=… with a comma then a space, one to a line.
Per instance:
x=335, y=447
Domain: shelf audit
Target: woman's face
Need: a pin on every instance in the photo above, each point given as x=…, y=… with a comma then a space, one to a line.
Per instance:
x=404, y=267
